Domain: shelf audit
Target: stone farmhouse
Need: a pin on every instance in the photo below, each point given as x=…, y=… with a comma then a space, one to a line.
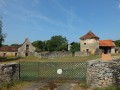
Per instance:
x=90, y=43
x=26, y=49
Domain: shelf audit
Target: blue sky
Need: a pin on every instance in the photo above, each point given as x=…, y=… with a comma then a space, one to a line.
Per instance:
x=41, y=19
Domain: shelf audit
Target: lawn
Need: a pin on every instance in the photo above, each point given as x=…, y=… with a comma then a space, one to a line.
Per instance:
x=58, y=59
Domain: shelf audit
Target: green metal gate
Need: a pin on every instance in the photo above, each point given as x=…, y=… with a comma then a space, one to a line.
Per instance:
x=53, y=71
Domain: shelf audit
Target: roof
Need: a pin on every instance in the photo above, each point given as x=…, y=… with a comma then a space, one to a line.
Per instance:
x=106, y=43
x=89, y=35
x=9, y=48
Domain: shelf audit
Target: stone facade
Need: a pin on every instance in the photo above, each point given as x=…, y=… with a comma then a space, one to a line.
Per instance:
x=27, y=49
x=8, y=53
x=9, y=72
x=89, y=45
x=103, y=74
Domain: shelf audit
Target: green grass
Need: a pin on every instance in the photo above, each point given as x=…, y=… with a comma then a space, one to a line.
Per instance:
x=109, y=88
x=16, y=85
x=58, y=59
x=61, y=59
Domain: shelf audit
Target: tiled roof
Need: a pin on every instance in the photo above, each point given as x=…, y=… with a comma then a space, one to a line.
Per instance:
x=9, y=48
x=89, y=35
x=109, y=43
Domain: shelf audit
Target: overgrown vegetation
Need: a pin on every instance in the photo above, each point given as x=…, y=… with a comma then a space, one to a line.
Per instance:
x=16, y=85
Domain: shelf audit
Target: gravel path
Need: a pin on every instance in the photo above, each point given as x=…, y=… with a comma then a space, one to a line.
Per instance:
x=65, y=86
x=35, y=86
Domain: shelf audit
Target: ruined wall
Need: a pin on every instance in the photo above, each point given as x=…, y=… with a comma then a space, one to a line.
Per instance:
x=53, y=54
x=22, y=50
x=9, y=72
x=9, y=54
x=103, y=74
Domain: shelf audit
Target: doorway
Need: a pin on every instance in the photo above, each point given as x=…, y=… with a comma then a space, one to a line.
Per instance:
x=26, y=54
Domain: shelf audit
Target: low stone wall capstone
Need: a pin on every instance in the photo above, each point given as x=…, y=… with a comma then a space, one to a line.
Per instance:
x=9, y=72
x=103, y=74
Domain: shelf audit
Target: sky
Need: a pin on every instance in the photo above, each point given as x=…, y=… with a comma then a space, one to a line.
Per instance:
x=42, y=19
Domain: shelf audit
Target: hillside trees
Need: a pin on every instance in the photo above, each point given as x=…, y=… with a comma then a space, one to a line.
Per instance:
x=2, y=36
x=56, y=43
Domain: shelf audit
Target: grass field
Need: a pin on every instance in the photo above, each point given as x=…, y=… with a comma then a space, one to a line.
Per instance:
x=58, y=59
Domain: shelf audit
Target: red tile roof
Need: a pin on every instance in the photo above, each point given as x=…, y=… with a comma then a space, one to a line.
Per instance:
x=89, y=35
x=106, y=43
x=9, y=48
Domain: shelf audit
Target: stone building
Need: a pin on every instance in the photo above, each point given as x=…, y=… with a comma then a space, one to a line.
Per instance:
x=26, y=49
x=107, y=46
x=90, y=43
x=9, y=51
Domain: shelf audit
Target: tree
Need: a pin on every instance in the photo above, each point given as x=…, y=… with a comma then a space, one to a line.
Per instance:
x=40, y=45
x=74, y=47
x=2, y=36
x=57, y=43
x=117, y=43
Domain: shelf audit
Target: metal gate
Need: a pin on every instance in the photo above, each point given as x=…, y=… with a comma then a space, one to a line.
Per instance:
x=46, y=71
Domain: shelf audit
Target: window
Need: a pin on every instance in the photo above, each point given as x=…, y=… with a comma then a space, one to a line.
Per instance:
x=84, y=43
x=27, y=47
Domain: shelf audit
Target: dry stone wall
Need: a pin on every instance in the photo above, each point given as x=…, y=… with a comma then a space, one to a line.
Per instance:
x=9, y=72
x=103, y=74
x=53, y=54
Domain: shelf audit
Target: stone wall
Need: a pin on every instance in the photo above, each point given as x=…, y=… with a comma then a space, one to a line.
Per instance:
x=81, y=53
x=103, y=74
x=8, y=53
x=9, y=72
x=53, y=54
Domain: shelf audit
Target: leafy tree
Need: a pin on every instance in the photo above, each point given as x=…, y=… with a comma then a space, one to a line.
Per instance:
x=74, y=47
x=57, y=43
x=2, y=36
x=40, y=45
x=117, y=43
